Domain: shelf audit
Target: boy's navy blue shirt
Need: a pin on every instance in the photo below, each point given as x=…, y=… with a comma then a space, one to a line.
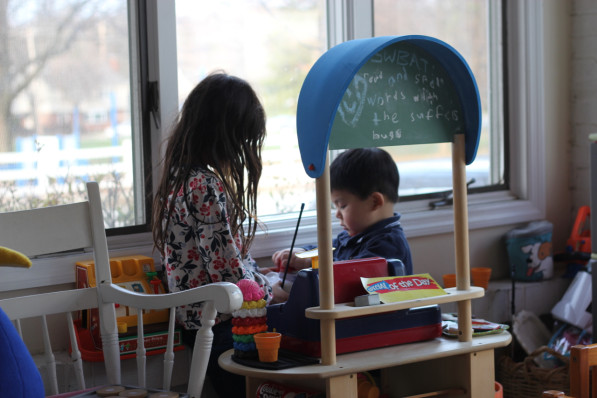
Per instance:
x=383, y=239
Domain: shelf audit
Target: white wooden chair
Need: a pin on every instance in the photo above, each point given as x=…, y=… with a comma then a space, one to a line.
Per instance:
x=43, y=231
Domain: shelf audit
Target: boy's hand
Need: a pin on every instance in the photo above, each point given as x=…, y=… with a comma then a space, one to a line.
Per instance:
x=280, y=258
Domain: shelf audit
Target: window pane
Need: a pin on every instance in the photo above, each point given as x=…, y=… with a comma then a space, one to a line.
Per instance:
x=65, y=105
x=272, y=44
x=463, y=24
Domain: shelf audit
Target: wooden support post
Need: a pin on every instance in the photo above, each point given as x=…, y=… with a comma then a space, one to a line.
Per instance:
x=479, y=379
x=461, y=235
x=342, y=386
x=326, y=262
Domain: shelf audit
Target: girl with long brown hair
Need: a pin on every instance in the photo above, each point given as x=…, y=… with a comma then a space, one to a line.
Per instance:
x=204, y=211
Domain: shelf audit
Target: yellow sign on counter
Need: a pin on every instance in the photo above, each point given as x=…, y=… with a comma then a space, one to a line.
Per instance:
x=392, y=289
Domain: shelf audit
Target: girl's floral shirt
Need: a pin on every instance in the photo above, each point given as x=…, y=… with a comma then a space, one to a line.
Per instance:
x=200, y=248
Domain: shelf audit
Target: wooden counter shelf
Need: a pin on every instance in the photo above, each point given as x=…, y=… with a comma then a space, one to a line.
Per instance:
x=444, y=355
x=348, y=310
x=378, y=358
x=404, y=368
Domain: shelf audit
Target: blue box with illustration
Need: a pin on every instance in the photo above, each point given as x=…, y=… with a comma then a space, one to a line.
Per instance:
x=530, y=251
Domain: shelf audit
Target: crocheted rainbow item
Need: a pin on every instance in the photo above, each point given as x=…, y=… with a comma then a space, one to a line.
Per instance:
x=249, y=319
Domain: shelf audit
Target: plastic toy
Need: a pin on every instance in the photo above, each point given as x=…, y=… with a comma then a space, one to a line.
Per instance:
x=367, y=388
x=12, y=258
x=19, y=376
x=580, y=238
x=250, y=289
x=301, y=334
x=249, y=320
x=136, y=273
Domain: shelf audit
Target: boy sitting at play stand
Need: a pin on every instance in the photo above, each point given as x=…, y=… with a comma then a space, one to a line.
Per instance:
x=364, y=188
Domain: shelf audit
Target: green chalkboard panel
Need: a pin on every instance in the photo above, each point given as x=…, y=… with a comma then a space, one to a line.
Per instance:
x=401, y=96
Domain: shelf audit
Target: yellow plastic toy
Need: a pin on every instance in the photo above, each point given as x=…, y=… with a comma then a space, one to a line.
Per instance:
x=136, y=273
x=13, y=258
x=19, y=376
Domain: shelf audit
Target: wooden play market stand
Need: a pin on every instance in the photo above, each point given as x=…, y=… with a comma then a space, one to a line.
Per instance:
x=384, y=91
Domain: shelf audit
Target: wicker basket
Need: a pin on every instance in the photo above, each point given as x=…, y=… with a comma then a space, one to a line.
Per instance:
x=527, y=380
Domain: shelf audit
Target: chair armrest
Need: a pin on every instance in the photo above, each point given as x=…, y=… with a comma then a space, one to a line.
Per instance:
x=226, y=297
x=49, y=303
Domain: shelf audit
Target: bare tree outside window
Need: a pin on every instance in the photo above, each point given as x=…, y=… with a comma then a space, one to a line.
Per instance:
x=65, y=104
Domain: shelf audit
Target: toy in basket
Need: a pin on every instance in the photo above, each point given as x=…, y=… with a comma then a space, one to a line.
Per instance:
x=526, y=379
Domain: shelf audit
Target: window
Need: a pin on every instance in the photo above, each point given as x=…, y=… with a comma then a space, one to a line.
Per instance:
x=295, y=35
x=272, y=44
x=76, y=126
x=72, y=117
x=467, y=26
x=66, y=106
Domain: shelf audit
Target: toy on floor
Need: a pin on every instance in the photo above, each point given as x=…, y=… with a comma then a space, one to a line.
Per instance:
x=19, y=376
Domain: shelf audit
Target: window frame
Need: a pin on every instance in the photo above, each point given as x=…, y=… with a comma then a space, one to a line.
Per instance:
x=522, y=202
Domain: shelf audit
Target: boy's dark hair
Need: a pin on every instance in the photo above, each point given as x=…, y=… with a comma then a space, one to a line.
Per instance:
x=363, y=171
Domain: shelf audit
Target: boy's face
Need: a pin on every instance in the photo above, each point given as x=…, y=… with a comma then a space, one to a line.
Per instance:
x=355, y=214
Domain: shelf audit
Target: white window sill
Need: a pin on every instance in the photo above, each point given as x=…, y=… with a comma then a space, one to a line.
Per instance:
x=485, y=211
x=60, y=268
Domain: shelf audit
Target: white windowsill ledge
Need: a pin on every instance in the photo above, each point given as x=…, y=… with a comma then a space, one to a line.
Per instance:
x=485, y=213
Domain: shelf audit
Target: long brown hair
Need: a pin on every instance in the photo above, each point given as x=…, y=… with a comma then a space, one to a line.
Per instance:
x=221, y=128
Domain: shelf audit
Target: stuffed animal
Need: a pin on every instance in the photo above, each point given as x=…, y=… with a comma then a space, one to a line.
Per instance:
x=19, y=376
